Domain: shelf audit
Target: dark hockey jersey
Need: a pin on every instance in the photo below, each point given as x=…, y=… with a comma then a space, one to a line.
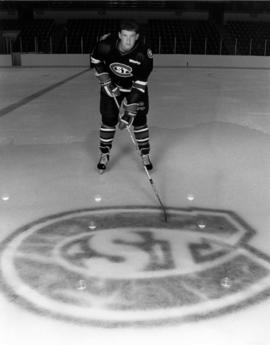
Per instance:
x=129, y=70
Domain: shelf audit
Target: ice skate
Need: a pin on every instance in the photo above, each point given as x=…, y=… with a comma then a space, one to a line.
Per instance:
x=103, y=162
x=146, y=161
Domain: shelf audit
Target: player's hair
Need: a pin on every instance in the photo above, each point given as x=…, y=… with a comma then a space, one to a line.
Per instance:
x=129, y=25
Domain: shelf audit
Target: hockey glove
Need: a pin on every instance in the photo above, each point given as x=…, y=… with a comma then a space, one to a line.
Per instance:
x=106, y=84
x=130, y=112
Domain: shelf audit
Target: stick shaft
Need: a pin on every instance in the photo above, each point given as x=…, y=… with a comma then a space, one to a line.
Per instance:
x=146, y=170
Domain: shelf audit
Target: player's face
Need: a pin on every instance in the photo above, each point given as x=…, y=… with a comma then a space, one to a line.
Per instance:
x=127, y=39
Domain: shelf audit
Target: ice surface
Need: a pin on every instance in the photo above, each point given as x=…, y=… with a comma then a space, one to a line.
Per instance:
x=210, y=139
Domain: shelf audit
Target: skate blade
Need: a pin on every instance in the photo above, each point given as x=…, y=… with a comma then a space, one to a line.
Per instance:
x=101, y=171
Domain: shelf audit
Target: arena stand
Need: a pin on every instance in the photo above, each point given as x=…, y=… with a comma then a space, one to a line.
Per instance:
x=195, y=28
x=166, y=36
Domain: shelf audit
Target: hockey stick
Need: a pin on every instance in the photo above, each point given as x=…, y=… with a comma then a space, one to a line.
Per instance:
x=145, y=169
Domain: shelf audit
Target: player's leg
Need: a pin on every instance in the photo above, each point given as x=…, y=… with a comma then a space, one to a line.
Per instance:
x=109, y=116
x=141, y=131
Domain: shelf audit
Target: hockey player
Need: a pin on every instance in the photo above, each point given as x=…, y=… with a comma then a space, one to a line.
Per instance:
x=123, y=64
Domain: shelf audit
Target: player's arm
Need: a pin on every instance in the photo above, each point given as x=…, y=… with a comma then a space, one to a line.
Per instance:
x=138, y=88
x=97, y=61
x=141, y=76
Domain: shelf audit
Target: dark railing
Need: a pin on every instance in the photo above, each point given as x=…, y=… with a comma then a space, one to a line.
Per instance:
x=160, y=45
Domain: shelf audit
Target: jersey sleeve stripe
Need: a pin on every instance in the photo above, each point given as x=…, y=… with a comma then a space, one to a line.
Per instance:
x=140, y=82
x=140, y=85
x=139, y=88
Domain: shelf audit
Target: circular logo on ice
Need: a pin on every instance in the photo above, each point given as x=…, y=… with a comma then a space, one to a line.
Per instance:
x=126, y=266
x=121, y=69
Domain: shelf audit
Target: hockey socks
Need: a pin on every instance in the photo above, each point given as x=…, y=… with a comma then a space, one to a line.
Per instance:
x=142, y=137
x=106, y=135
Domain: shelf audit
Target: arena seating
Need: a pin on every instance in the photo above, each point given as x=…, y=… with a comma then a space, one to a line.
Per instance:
x=247, y=38
x=184, y=37
x=82, y=34
x=35, y=36
x=9, y=24
x=165, y=36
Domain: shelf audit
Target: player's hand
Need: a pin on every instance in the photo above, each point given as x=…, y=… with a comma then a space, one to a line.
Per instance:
x=106, y=84
x=111, y=90
x=130, y=112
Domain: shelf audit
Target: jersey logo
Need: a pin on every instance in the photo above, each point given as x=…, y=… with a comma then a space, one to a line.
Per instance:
x=121, y=70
